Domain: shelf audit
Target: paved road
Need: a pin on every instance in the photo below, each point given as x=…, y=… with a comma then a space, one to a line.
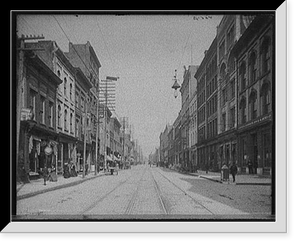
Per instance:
x=149, y=193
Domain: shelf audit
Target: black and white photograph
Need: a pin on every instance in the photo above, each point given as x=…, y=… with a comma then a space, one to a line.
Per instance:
x=131, y=117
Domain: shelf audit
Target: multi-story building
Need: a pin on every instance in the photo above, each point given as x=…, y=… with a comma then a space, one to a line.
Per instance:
x=65, y=109
x=228, y=33
x=192, y=145
x=178, y=139
x=65, y=100
x=171, y=148
x=254, y=58
x=187, y=89
x=82, y=88
x=115, y=139
x=38, y=138
x=84, y=57
x=164, y=145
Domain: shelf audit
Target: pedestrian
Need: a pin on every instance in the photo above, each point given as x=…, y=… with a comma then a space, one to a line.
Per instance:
x=233, y=171
x=45, y=174
x=250, y=166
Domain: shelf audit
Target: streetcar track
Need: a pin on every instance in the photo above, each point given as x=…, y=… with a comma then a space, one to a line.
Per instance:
x=94, y=204
x=159, y=193
x=133, y=199
x=185, y=193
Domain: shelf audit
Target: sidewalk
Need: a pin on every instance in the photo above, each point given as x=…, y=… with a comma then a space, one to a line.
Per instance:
x=240, y=179
x=37, y=186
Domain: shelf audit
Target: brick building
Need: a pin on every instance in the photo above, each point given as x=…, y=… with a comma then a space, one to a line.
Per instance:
x=38, y=137
x=254, y=54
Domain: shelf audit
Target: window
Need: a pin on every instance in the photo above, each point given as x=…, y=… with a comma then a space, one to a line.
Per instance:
x=224, y=96
x=32, y=102
x=222, y=49
x=232, y=89
x=71, y=91
x=253, y=105
x=82, y=104
x=223, y=72
x=77, y=99
x=51, y=114
x=224, y=122
x=65, y=86
x=252, y=67
x=265, y=55
x=243, y=110
x=242, y=76
x=59, y=116
x=71, y=122
x=232, y=117
x=43, y=111
x=265, y=98
x=65, y=120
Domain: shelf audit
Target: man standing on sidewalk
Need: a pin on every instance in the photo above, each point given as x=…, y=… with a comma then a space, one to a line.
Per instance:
x=233, y=170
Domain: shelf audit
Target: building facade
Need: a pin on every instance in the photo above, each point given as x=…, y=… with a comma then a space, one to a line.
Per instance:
x=254, y=54
x=84, y=57
x=207, y=97
x=38, y=141
x=228, y=32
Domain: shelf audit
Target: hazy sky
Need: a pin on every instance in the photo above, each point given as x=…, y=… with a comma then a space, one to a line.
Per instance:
x=143, y=50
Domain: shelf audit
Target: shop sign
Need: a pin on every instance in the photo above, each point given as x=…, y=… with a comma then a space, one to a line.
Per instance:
x=26, y=114
x=259, y=120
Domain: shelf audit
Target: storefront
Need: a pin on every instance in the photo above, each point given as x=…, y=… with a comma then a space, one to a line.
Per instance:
x=255, y=145
x=38, y=149
x=227, y=149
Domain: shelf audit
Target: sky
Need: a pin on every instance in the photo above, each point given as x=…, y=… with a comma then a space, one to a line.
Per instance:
x=143, y=51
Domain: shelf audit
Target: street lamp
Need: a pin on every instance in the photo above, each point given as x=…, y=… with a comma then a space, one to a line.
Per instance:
x=175, y=85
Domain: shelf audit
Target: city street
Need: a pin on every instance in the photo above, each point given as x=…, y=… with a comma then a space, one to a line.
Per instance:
x=149, y=193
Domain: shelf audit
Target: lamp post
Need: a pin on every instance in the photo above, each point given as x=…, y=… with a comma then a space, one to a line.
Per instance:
x=175, y=86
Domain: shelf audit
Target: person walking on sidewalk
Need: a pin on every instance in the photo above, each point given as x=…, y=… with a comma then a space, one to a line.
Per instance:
x=250, y=166
x=233, y=171
x=45, y=174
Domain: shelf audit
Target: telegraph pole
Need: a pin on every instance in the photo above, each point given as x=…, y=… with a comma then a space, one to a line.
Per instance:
x=108, y=79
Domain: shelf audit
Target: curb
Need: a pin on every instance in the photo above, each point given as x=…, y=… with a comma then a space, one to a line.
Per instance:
x=253, y=183
x=31, y=194
x=215, y=180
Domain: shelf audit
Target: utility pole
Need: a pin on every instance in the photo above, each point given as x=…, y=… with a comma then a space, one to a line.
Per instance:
x=21, y=89
x=108, y=79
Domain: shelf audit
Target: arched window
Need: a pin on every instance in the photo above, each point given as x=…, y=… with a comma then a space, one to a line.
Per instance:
x=223, y=72
x=242, y=75
x=253, y=105
x=65, y=86
x=265, y=54
x=265, y=95
x=252, y=67
x=71, y=90
x=243, y=110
